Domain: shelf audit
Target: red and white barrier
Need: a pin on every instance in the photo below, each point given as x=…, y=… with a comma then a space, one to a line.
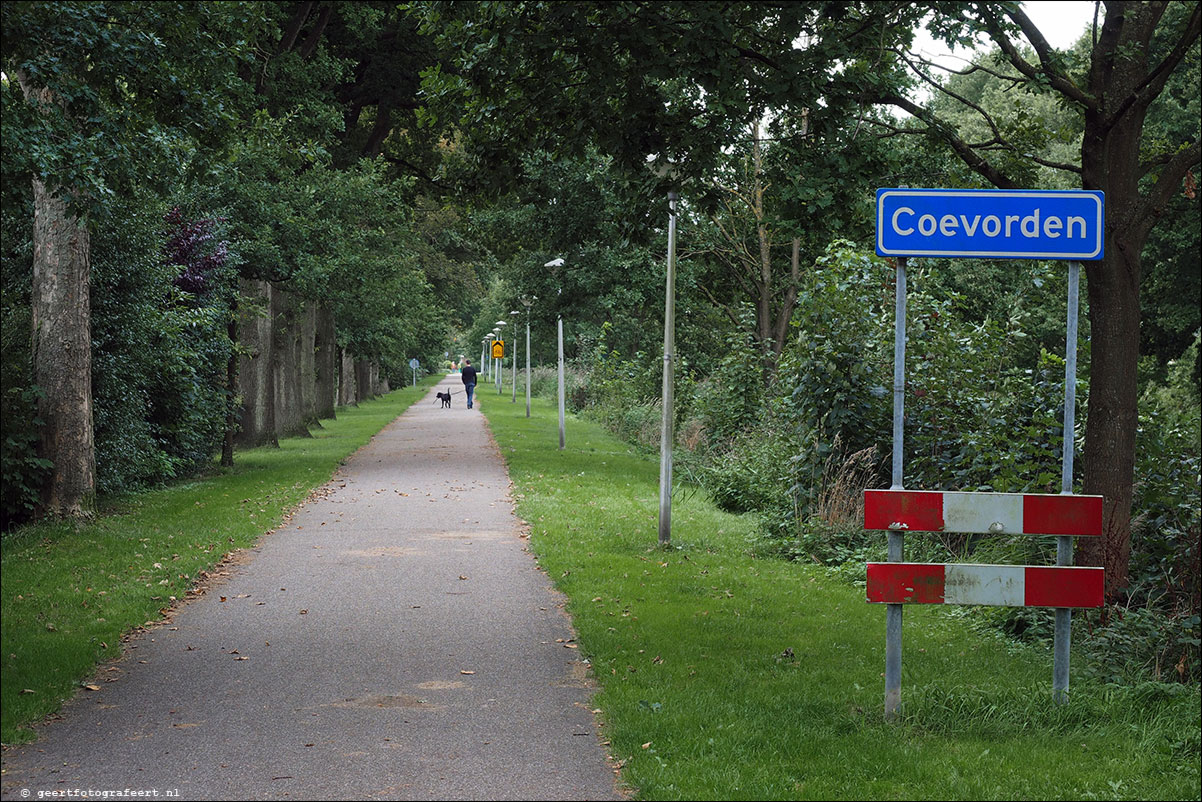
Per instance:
x=985, y=513
x=997, y=585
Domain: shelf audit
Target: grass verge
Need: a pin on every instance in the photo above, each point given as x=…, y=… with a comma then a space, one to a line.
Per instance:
x=728, y=676
x=72, y=591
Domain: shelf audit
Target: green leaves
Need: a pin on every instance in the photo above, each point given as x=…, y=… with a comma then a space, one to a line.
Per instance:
x=110, y=89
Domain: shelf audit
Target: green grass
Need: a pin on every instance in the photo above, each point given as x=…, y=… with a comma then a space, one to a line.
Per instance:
x=699, y=698
x=70, y=592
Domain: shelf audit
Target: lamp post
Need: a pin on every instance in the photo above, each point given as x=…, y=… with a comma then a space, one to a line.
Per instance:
x=492, y=360
x=501, y=360
x=667, y=169
x=666, y=433
x=513, y=365
x=528, y=301
x=487, y=366
x=559, y=325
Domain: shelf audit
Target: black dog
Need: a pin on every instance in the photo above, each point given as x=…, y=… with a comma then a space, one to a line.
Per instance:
x=445, y=398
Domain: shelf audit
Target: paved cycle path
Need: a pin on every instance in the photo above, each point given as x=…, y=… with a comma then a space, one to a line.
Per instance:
x=392, y=640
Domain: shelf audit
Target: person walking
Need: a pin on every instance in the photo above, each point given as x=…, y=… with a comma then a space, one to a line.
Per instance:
x=468, y=374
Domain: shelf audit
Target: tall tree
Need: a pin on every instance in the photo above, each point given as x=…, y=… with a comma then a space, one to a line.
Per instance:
x=62, y=334
x=785, y=195
x=1137, y=48
x=108, y=88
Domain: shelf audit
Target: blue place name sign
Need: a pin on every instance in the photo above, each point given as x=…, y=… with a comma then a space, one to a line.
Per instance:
x=990, y=223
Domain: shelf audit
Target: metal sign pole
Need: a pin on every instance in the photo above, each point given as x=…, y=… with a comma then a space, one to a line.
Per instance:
x=1062, y=634
x=893, y=612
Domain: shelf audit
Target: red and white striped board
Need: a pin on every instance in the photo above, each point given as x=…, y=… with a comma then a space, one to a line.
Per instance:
x=997, y=585
x=986, y=513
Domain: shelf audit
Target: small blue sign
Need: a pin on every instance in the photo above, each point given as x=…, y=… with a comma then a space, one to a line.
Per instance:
x=990, y=223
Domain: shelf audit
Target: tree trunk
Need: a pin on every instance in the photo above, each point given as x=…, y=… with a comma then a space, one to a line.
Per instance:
x=233, y=402
x=1109, y=456
x=62, y=354
x=62, y=342
x=326, y=347
x=1110, y=162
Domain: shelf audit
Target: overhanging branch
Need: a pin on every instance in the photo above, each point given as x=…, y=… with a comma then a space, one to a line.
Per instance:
x=969, y=156
x=1057, y=80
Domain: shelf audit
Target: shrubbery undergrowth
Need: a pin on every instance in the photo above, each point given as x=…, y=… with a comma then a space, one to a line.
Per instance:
x=984, y=402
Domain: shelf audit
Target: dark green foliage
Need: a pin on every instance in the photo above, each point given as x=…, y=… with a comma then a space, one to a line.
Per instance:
x=1143, y=642
x=620, y=392
x=159, y=352
x=22, y=469
x=755, y=474
x=1167, y=534
x=837, y=370
x=730, y=399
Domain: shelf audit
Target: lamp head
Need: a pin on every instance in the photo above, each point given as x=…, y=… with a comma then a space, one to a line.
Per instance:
x=555, y=263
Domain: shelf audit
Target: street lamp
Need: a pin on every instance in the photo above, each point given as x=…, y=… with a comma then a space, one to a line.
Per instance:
x=559, y=324
x=487, y=366
x=513, y=366
x=528, y=301
x=492, y=360
x=501, y=359
x=666, y=169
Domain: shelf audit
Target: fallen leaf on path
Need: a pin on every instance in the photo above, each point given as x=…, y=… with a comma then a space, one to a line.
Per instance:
x=92, y=687
x=467, y=672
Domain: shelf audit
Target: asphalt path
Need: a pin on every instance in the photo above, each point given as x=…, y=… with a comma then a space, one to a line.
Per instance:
x=394, y=639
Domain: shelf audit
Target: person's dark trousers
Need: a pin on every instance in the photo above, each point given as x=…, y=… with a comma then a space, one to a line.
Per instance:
x=471, y=388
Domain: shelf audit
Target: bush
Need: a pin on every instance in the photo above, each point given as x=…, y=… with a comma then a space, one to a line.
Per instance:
x=837, y=369
x=1138, y=643
x=160, y=347
x=755, y=474
x=730, y=400
x=23, y=470
x=1167, y=522
x=544, y=383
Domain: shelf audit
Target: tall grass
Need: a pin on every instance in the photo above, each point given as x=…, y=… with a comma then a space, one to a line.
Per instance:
x=72, y=591
x=727, y=675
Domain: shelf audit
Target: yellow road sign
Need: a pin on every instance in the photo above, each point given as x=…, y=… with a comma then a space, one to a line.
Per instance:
x=498, y=349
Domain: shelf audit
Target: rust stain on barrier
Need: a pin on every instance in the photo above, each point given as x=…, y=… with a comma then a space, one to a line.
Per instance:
x=925, y=588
